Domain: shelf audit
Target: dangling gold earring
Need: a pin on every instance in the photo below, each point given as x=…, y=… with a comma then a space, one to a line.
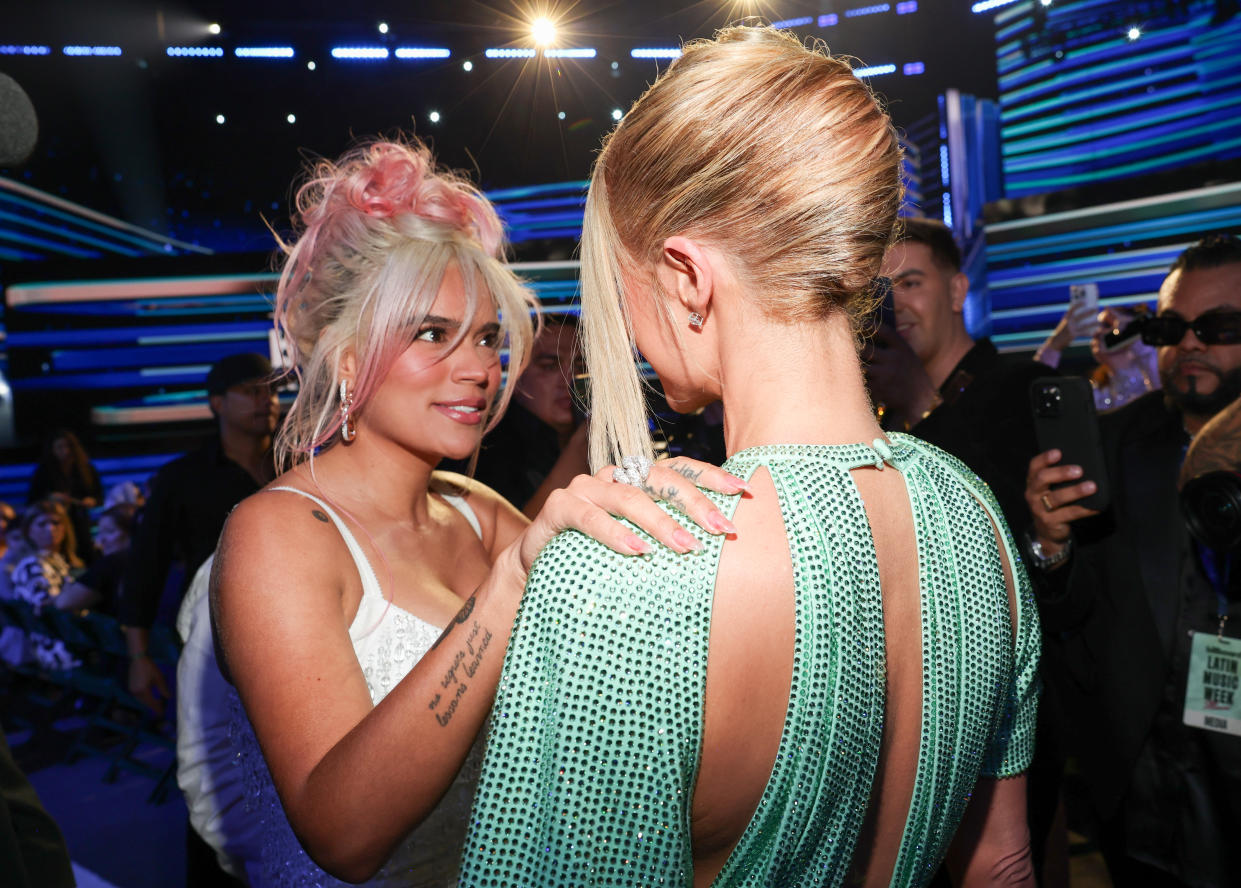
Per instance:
x=348, y=430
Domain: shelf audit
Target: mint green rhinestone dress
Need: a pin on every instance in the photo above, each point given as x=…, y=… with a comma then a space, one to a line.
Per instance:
x=595, y=733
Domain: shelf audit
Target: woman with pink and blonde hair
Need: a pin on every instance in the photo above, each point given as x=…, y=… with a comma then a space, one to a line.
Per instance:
x=362, y=601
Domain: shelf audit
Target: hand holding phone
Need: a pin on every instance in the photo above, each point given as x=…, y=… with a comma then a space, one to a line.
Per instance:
x=1065, y=420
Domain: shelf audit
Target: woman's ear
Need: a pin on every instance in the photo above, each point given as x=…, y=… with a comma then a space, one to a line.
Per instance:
x=347, y=368
x=687, y=272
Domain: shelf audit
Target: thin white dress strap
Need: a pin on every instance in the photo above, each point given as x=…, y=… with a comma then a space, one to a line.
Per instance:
x=459, y=503
x=373, y=602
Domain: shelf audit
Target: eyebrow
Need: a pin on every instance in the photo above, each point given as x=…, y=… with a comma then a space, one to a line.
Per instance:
x=908, y=272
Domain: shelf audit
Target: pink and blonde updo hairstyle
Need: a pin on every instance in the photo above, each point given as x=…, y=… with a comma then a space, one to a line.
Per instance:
x=772, y=152
x=375, y=233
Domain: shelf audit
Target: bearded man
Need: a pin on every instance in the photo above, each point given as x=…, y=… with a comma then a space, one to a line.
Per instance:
x=1145, y=621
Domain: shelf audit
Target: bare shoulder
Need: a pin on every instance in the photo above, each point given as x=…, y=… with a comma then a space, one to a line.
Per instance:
x=277, y=522
x=499, y=519
x=273, y=541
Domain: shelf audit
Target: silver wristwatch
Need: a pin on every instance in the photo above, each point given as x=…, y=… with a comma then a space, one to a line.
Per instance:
x=1046, y=562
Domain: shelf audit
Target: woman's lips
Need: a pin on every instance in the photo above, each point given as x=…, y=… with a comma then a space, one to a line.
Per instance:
x=464, y=412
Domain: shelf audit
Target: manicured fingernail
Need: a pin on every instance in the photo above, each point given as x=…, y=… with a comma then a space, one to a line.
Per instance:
x=686, y=541
x=740, y=484
x=720, y=524
x=1074, y=471
x=1089, y=487
x=637, y=544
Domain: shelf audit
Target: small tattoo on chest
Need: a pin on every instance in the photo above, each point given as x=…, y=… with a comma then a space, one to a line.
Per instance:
x=324, y=518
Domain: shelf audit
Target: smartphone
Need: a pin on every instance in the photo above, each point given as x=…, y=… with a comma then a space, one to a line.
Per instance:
x=1123, y=336
x=1065, y=420
x=1084, y=297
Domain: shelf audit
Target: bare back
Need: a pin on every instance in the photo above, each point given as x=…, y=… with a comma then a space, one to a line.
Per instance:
x=812, y=702
x=750, y=668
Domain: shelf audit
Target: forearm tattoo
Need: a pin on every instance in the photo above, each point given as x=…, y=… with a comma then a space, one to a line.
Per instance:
x=461, y=617
x=464, y=665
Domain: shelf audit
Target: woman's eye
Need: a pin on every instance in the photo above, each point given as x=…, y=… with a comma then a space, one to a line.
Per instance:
x=490, y=340
x=430, y=334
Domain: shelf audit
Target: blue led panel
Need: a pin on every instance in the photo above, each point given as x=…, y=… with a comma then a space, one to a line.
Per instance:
x=1081, y=102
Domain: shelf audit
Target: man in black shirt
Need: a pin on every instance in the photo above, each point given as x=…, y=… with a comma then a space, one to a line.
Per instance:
x=190, y=499
x=938, y=383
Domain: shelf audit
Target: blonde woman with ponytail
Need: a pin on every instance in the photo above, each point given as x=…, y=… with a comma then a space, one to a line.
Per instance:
x=361, y=602
x=833, y=693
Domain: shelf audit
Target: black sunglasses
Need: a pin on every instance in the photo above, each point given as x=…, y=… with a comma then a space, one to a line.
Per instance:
x=1216, y=328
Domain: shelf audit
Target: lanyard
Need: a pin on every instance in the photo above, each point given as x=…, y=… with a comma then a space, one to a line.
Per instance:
x=1218, y=567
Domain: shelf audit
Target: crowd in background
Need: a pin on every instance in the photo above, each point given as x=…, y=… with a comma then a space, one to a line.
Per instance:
x=1115, y=659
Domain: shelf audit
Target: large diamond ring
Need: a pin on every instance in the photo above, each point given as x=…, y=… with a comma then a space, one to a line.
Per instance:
x=632, y=470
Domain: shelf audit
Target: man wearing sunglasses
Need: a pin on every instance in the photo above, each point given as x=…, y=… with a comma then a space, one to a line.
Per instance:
x=1135, y=607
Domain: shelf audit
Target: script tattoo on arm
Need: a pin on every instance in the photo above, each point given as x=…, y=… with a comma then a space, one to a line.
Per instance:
x=464, y=665
x=461, y=617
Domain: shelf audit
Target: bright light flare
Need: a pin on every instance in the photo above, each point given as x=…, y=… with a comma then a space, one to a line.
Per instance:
x=434, y=117
x=617, y=113
x=1134, y=33
x=543, y=31
x=213, y=28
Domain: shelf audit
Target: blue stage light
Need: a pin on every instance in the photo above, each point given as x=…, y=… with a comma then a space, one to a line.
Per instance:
x=213, y=52
x=509, y=52
x=988, y=5
x=583, y=52
x=360, y=53
x=867, y=10
x=794, y=22
x=874, y=70
x=9, y=49
x=423, y=52
x=826, y=21
x=92, y=50
x=263, y=52
x=655, y=52
x=907, y=7
x=911, y=68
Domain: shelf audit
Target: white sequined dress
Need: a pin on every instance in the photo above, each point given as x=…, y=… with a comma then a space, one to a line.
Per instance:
x=388, y=642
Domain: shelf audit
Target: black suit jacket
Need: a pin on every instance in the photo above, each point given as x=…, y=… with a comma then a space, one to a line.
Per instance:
x=1111, y=612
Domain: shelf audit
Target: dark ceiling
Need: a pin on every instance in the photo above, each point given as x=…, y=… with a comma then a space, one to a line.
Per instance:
x=136, y=135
